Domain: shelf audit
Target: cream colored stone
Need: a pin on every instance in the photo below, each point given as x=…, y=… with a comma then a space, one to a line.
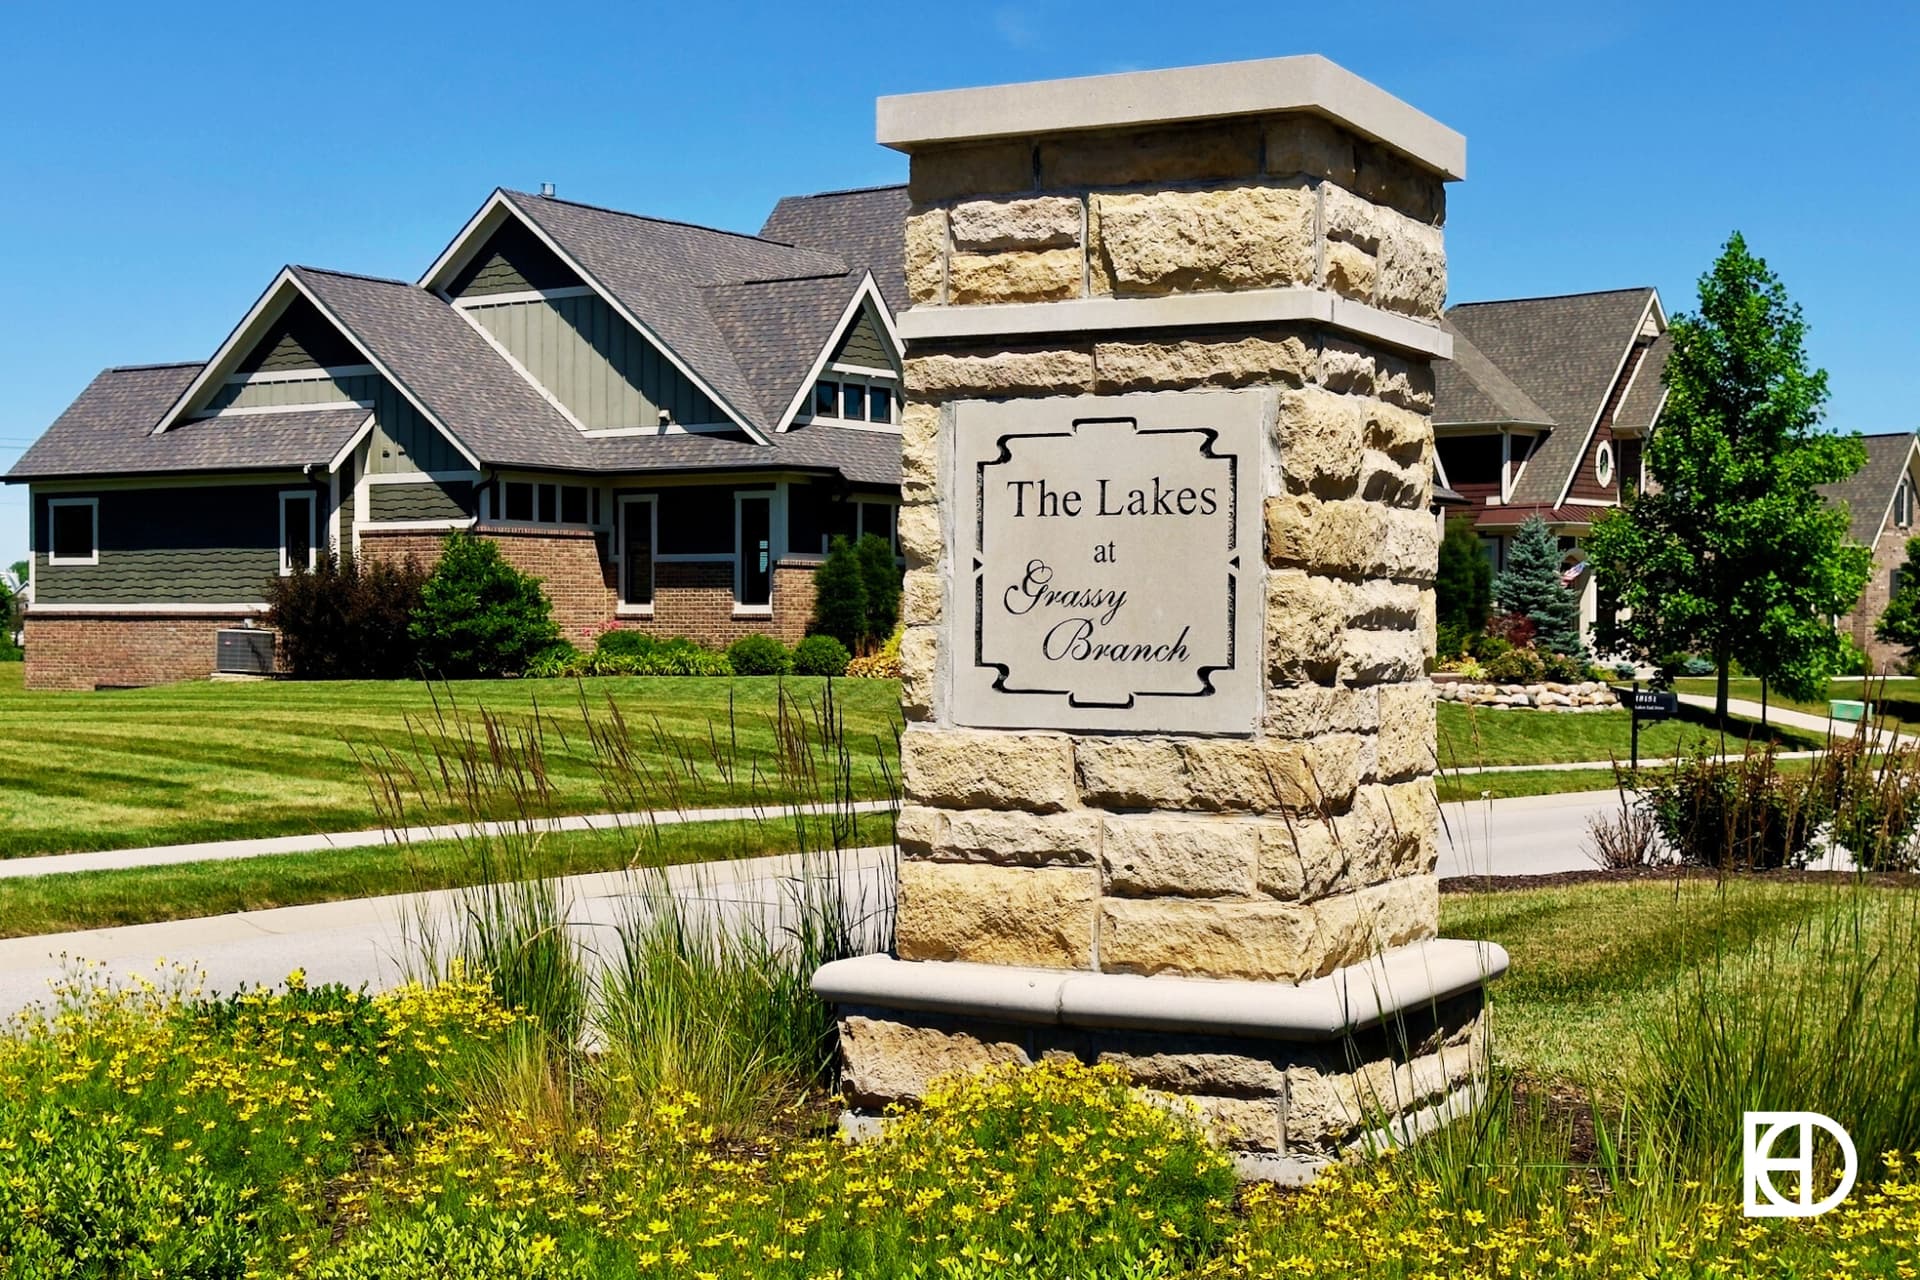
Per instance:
x=1306, y=626
x=1386, y=481
x=1279, y=359
x=1388, y=1087
x=1026, y=839
x=1320, y=441
x=1406, y=745
x=1321, y=1110
x=1255, y=941
x=1312, y=146
x=1413, y=271
x=1038, y=916
x=891, y=1062
x=1247, y=237
x=1240, y=1124
x=1190, y=857
x=1354, y=926
x=1189, y=153
x=1348, y=219
x=1350, y=270
x=1224, y=775
x=920, y=448
x=926, y=256
x=919, y=658
x=1035, y=222
x=970, y=169
x=922, y=541
x=1429, y=622
x=1307, y=710
x=1382, y=657
x=1350, y=367
x=1403, y=821
x=1377, y=602
x=1306, y=857
x=918, y=829
x=920, y=596
x=1190, y=1074
x=956, y=375
x=1045, y=275
x=977, y=769
x=1351, y=537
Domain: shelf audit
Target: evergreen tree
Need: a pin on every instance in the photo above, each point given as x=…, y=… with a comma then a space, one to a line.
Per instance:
x=1531, y=587
x=840, y=596
x=880, y=575
x=1463, y=589
x=1737, y=555
x=478, y=615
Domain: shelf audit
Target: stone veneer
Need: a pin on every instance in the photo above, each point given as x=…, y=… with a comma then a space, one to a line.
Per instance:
x=1274, y=858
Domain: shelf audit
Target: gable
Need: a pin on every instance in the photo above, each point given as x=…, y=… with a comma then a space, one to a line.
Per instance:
x=300, y=339
x=864, y=343
x=513, y=260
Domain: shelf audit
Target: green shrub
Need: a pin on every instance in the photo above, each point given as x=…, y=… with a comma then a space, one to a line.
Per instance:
x=669, y=660
x=1562, y=669
x=1517, y=666
x=478, y=615
x=1742, y=814
x=758, y=655
x=820, y=656
x=1854, y=660
x=1485, y=648
x=347, y=619
x=840, y=596
x=628, y=643
x=9, y=651
x=880, y=575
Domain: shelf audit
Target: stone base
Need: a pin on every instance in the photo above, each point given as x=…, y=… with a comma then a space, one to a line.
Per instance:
x=1278, y=1081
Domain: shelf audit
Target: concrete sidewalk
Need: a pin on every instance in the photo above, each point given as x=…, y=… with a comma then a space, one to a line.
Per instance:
x=221, y=850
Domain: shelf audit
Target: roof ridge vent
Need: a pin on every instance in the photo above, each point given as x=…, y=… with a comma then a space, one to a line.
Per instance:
x=546, y=190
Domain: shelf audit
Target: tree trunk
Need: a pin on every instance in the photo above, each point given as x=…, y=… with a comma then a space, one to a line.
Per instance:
x=1720, y=657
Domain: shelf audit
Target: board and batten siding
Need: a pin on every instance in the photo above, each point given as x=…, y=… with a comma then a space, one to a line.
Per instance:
x=513, y=260
x=594, y=362
x=428, y=500
x=199, y=544
x=863, y=345
x=403, y=441
x=320, y=391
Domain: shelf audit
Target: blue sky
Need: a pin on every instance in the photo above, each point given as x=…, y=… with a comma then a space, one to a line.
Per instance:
x=162, y=161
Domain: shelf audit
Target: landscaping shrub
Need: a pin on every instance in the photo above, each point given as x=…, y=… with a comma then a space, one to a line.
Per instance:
x=1563, y=669
x=1463, y=587
x=1742, y=814
x=1485, y=648
x=1515, y=630
x=840, y=596
x=1517, y=666
x=880, y=575
x=758, y=655
x=1531, y=587
x=478, y=615
x=1624, y=839
x=9, y=651
x=347, y=619
x=623, y=643
x=820, y=656
x=1874, y=797
x=883, y=663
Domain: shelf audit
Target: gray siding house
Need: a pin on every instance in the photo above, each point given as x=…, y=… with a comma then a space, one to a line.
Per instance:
x=666, y=423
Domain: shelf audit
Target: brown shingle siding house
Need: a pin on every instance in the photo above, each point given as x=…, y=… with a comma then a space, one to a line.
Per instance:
x=1879, y=499
x=665, y=422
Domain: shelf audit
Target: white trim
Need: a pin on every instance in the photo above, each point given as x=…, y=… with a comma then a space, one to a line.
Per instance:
x=1251, y=306
x=1586, y=439
x=867, y=291
x=1588, y=502
x=740, y=551
x=479, y=301
x=411, y=526
x=670, y=429
x=302, y=375
x=863, y=370
x=254, y=410
x=56, y=608
x=333, y=512
x=437, y=275
x=896, y=400
x=53, y=556
x=353, y=442
x=617, y=547
x=1603, y=462
x=425, y=477
x=312, y=499
x=625, y=610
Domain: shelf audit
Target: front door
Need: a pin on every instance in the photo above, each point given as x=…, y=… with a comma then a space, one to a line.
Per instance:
x=756, y=551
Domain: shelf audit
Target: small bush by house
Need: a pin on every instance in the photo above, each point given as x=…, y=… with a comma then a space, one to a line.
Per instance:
x=347, y=619
x=758, y=655
x=840, y=596
x=820, y=656
x=479, y=616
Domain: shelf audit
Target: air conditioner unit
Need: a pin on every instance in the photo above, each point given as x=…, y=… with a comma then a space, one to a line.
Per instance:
x=244, y=652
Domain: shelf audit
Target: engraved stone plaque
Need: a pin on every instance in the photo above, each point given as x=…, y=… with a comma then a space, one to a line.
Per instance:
x=1107, y=563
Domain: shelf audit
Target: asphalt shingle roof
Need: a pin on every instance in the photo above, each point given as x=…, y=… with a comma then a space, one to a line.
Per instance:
x=866, y=227
x=1869, y=491
x=1472, y=389
x=1641, y=406
x=108, y=430
x=1563, y=353
x=777, y=329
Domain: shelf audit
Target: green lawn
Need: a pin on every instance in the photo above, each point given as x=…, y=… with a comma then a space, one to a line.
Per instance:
x=1898, y=701
x=1474, y=736
x=206, y=761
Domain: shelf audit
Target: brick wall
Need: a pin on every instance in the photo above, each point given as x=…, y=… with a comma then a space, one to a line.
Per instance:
x=1888, y=555
x=108, y=651
x=695, y=599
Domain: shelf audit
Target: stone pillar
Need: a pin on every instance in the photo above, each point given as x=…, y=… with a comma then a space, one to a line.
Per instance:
x=1167, y=460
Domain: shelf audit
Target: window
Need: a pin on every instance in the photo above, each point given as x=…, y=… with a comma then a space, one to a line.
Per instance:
x=826, y=399
x=879, y=404
x=877, y=518
x=854, y=399
x=516, y=500
x=524, y=502
x=753, y=550
x=573, y=504
x=73, y=526
x=297, y=513
x=1603, y=463
x=549, y=509
x=1903, y=504
x=637, y=543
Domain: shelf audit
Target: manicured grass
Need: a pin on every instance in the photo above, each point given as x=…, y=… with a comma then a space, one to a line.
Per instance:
x=205, y=761
x=1471, y=736
x=1896, y=702
x=32, y=905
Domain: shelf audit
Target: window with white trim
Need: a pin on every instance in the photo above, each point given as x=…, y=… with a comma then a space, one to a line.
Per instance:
x=73, y=531
x=639, y=538
x=851, y=398
x=532, y=502
x=299, y=514
x=1903, y=504
x=1603, y=463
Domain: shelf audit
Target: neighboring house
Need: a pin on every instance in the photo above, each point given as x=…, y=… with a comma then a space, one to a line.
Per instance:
x=1879, y=499
x=665, y=423
x=1544, y=410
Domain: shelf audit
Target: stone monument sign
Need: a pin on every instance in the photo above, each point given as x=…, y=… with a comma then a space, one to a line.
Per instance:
x=1167, y=461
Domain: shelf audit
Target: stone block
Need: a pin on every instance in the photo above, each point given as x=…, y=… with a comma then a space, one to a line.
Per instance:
x=922, y=541
x=917, y=829
x=1276, y=358
x=1034, y=222
x=1348, y=219
x=1377, y=602
x=1192, y=153
x=978, y=769
x=919, y=659
x=1044, y=275
x=1306, y=626
x=1200, y=1073
x=891, y=1062
x=1356, y=369
x=920, y=596
x=1255, y=941
x=1320, y=437
x=1021, y=839
x=1382, y=657
x=1190, y=857
x=1383, y=480
x=1222, y=775
x=1407, y=817
x=1406, y=745
x=1306, y=857
x=1351, y=538
x=1245, y=237
x=1354, y=926
x=1309, y=145
x=1010, y=371
x=1321, y=1111
x=1305, y=711
x=1413, y=271
x=1384, y=178
x=1349, y=271
x=970, y=169
x=926, y=256
x=1041, y=917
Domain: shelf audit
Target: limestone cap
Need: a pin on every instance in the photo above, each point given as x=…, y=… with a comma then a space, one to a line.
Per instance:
x=1266, y=86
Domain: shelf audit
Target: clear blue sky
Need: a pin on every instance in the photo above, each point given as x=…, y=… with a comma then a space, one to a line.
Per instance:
x=160, y=162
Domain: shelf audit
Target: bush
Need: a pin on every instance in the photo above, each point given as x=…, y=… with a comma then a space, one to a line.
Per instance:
x=880, y=575
x=820, y=656
x=884, y=664
x=1623, y=840
x=1451, y=641
x=1874, y=797
x=626, y=643
x=348, y=619
x=758, y=655
x=9, y=651
x=840, y=596
x=1853, y=659
x=1735, y=815
x=1562, y=669
x=1486, y=648
x=479, y=616
x=1517, y=666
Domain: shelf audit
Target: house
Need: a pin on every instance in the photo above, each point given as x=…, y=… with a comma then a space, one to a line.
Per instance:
x=1879, y=499
x=1544, y=410
x=665, y=423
